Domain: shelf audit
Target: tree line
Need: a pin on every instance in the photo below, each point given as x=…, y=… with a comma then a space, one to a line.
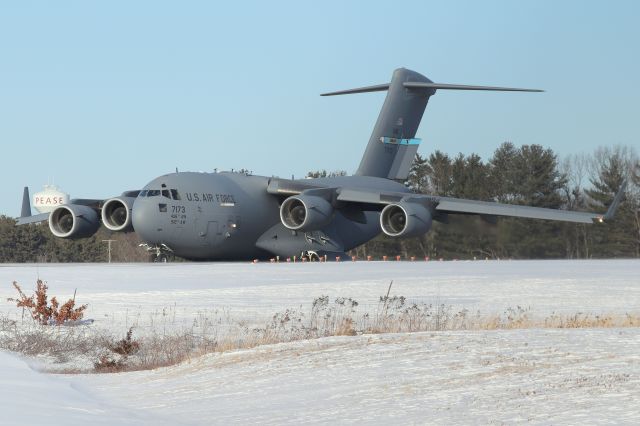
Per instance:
x=35, y=243
x=527, y=175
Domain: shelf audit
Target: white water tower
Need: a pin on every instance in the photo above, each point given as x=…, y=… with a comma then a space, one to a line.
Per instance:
x=49, y=198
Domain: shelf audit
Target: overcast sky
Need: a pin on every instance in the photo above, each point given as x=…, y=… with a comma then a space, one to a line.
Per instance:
x=102, y=97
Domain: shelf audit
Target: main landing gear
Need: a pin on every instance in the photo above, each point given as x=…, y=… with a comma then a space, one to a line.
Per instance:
x=159, y=253
x=310, y=255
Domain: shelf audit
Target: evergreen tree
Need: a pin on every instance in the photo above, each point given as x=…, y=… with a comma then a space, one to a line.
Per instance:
x=323, y=173
x=612, y=238
x=438, y=171
x=418, y=180
x=502, y=173
x=528, y=175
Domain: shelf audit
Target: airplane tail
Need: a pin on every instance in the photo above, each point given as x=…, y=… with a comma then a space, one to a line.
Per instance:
x=26, y=203
x=393, y=146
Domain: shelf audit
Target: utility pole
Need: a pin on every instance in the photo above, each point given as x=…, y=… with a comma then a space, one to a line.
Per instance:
x=108, y=247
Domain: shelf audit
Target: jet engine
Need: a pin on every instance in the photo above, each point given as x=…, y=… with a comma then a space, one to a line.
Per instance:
x=73, y=221
x=305, y=212
x=116, y=214
x=405, y=220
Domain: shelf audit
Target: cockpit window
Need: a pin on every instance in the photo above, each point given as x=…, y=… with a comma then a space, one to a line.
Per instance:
x=171, y=194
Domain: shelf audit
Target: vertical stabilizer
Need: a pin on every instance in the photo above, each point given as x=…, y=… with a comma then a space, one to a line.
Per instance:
x=393, y=146
x=26, y=203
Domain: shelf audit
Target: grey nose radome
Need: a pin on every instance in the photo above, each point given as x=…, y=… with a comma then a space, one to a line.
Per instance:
x=145, y=221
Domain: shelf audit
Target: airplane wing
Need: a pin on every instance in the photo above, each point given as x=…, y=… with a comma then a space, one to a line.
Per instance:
x=96, y=204
x=460, y=206
x=485, y=208
x=32, y=219
x=447, y=205
x=24, y=220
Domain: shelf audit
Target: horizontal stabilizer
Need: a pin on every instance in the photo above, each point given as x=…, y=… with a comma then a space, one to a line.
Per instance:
x=377, y=88
x=422, y=85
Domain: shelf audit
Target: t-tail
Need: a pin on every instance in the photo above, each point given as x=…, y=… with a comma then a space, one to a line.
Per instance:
x=393, y=146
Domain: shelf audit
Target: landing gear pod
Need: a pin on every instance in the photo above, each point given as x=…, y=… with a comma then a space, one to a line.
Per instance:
x=116, y=214
x=73, y=221
x=305, y=212
x=405, y=220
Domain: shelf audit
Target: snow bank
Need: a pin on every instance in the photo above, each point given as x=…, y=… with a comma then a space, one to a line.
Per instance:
x=33, y=398
x=546, y=376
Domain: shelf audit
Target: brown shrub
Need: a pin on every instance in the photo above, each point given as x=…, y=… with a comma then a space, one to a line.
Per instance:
x=126, y=346
x=43, y=312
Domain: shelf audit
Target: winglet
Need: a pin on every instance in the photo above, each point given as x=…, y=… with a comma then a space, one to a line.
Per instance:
x=26, y=203
x=616, y=202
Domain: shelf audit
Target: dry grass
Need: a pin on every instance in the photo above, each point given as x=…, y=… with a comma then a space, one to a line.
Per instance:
x=58, y=344
x=91, y=349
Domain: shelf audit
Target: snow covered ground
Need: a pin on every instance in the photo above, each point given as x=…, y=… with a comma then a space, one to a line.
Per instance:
x=32, y=398
x=551, y=376
x=543, y=375
x=171, y=295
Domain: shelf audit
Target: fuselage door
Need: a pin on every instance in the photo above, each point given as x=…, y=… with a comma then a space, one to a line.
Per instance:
x=212, y=233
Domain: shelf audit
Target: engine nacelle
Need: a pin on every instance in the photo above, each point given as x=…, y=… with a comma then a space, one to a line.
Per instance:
x=73, y=221
x=116, y=214
x=405, y=220
x=305, y=212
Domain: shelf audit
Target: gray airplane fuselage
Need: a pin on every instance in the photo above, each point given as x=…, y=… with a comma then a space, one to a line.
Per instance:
x=230, y=215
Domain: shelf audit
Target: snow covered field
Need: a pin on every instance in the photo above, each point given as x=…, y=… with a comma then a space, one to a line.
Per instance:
x=544, y=375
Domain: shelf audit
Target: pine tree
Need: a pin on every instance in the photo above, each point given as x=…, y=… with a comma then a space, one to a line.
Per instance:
x=529, y=176
x=612, y=238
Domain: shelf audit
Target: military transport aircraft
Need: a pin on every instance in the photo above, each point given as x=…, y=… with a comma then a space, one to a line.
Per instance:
x=233, y=216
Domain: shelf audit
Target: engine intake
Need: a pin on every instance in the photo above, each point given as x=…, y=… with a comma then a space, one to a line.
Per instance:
x=405, y=220
x=73, y=221
x=305, y=212
x=116, y=214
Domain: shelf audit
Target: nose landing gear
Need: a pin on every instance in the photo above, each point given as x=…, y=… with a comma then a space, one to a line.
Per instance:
x=159, y=253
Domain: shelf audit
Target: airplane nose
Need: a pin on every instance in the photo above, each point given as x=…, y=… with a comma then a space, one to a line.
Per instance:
x=144, y=221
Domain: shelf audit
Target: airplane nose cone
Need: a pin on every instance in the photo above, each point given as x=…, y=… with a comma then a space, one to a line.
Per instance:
x=143, y=221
